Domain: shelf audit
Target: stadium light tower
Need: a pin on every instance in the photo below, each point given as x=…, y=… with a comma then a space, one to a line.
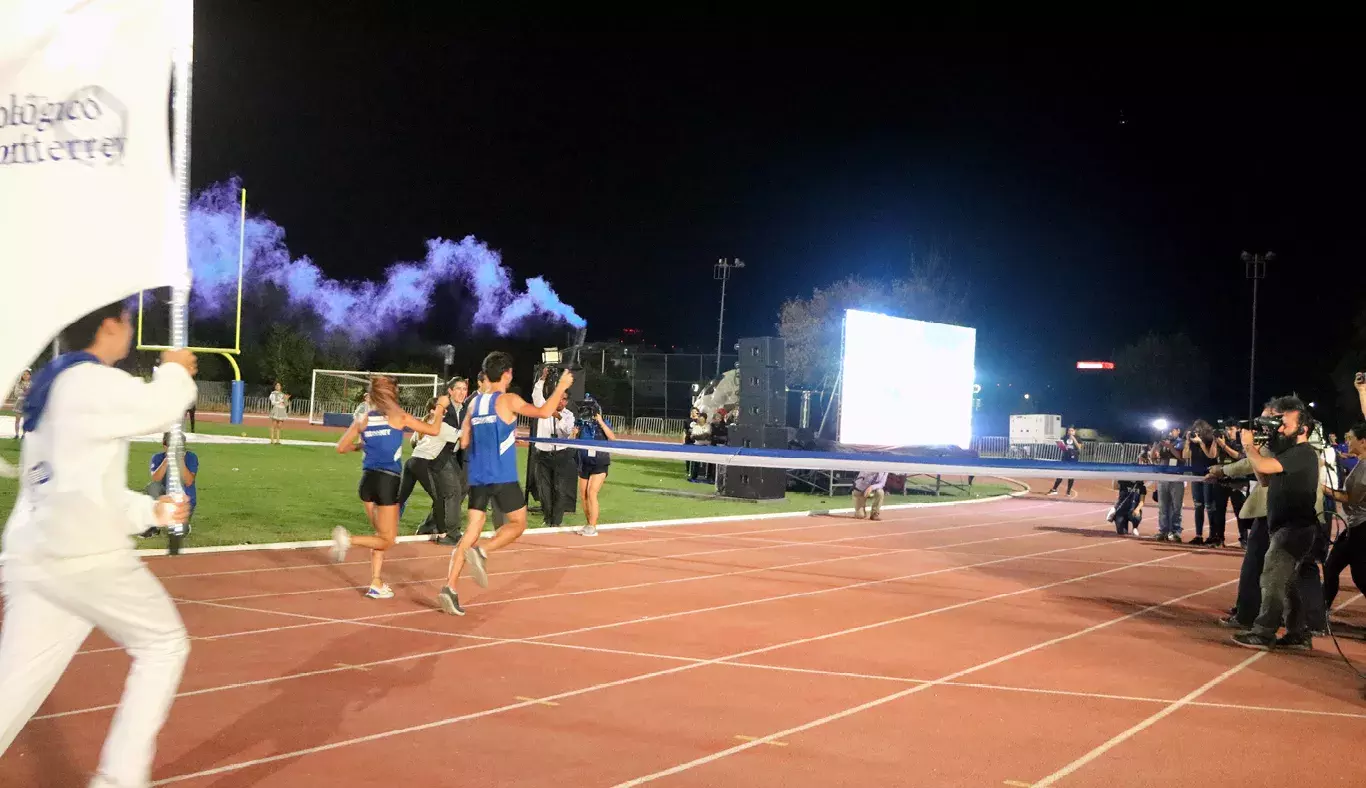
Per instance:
x=722, y=271
x=1255, y=269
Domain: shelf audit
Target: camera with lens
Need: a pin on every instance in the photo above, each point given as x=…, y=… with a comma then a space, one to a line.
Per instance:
x=1263, y=427
x=552, y=379
x=589, y=409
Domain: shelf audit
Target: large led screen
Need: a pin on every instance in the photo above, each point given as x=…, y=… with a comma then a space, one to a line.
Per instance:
x=906, y=382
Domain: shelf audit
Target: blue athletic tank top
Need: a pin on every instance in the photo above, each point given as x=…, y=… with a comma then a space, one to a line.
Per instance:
x=493, y=455
x=382, y=446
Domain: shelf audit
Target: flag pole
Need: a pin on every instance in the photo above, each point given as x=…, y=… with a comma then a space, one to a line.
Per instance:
x=183, y=61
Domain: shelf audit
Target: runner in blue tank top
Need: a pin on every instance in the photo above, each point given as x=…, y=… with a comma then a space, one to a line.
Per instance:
x=379, y=436
x=489, y=436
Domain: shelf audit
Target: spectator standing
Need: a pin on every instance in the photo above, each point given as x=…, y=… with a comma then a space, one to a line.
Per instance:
x=1071, y=452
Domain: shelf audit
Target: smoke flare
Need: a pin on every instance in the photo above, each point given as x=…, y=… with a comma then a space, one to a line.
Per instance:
x=360, y=310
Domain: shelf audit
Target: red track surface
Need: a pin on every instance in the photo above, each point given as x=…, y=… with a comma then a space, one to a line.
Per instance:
x=1017, y=642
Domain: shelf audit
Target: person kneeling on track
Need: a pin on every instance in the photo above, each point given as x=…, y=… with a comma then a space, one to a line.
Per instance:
x=869, y=487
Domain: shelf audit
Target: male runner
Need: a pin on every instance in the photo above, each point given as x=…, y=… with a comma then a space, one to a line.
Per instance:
x=489, y=435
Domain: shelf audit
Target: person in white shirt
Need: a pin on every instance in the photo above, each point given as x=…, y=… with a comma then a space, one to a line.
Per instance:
x=418, y=468
x=279, y=411
x=68, y=559
x=868, y=488
x=559, y=473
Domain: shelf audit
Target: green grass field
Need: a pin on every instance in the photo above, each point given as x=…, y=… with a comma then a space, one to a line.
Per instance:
x=255, y=494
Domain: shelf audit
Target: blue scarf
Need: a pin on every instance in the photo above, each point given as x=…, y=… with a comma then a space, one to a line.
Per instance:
x=36, y=399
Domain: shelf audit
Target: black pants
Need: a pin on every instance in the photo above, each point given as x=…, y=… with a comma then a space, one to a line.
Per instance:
x=447, y=475
x=1348, y=550
x=417, y=471
x=535, y=483
x=559, y=484
x=1124, y=511
x=1070, y=482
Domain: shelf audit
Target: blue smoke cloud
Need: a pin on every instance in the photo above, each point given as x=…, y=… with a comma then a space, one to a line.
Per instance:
x=360, y=310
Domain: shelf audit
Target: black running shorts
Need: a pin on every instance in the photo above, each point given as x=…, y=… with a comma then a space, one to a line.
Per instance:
x=379, y=488
x=588, y=468
x=508, y=497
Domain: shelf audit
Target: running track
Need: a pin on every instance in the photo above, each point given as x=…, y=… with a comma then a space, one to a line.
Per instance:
x=1017, y=643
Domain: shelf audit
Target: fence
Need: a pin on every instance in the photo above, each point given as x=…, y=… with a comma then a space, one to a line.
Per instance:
x=214, y=397
x=649, y=385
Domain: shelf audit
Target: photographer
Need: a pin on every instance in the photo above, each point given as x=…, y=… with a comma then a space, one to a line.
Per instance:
x=1291, y=474
x=593, y=464
x=1228, y=490
x=1171, y=496
x=1201, y=453
x=1071, y=452
x=1350, y=547
x=1254, y=511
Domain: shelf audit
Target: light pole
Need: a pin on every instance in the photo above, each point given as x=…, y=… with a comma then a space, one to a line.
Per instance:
x=1254, y=269
x=722, y=271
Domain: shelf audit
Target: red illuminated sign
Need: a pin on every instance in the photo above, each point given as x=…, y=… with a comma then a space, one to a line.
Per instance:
x=1095, y=365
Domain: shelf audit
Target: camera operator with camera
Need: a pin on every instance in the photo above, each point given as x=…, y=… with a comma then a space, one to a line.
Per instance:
x=593, y=464
x=1202, y=453
x=1171, y=496
x=1290, y=470
x=1229, y=449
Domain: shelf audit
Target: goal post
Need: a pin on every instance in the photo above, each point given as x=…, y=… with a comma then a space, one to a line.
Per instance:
x=335, y=394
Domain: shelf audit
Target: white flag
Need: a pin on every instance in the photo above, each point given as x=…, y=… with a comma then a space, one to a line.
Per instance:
x=89, y=209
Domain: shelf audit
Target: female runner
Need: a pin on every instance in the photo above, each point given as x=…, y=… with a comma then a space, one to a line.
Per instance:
x=379, y=435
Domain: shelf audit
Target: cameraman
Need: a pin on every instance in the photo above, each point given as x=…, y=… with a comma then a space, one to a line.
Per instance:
x=1290, y=471
x=593, y=464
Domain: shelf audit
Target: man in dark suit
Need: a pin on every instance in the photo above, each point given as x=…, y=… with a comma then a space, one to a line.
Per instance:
x=448, y=474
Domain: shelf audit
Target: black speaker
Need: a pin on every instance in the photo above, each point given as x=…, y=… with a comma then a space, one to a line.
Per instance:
x=763, y=397
x=752, y=436
x=761, y=352
x=755, y=484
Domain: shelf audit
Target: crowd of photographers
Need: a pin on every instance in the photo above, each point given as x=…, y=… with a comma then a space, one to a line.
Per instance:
x=1290, y=485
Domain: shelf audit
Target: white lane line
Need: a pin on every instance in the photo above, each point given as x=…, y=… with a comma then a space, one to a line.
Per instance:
x=529, y=546
x=1147, y=723
x=323, y=620
x=839, y=715
x=728, y=550
x=691, y=666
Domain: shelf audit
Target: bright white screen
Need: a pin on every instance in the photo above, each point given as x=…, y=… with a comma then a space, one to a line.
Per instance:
x=906, y=382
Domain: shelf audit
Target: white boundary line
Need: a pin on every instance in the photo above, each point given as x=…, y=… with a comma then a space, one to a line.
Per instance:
x=1168, y=710
x=718, y=660
x=366, y=621
x=320, y=621
x=609, y=527
x=840, y=542
x=603, y=546
x=1147, y=723
x=716, y=756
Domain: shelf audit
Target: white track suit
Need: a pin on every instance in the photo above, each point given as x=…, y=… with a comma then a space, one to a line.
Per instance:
x=69, y=566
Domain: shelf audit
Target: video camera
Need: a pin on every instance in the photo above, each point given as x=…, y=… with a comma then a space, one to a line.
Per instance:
x=1263, y=427
x=589, y=409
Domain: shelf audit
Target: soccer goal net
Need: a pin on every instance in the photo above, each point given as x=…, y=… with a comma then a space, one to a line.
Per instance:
x=337, y=394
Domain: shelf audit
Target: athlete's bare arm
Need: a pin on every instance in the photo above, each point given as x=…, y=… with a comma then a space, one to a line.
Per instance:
x=509, y=406
x=350, y=440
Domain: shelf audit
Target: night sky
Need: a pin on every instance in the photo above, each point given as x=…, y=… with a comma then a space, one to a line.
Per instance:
x=1088, y=189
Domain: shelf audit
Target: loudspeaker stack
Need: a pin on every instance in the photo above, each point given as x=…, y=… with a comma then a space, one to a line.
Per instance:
x=762, y=421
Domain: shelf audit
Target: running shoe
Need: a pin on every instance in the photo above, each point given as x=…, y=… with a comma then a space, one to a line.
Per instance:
x=341, y=542
x=450, y=602
x=1301, y=642
x=588, y=530
x=474, y=559
x=1253, y=640
x=383, y=592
